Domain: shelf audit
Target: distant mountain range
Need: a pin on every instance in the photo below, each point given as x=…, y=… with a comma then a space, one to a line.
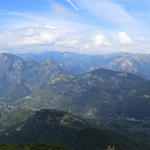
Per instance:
x=63, y=128
x=81, y=63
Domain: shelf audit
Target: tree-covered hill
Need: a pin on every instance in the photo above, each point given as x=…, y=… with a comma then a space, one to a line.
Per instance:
x=98, y=94
x=66, y=129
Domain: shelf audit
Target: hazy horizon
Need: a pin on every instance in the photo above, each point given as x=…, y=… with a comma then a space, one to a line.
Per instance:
x=80, y=53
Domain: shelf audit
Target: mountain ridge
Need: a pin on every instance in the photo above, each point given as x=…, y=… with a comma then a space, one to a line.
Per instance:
x=18, y=77
x=81, y=63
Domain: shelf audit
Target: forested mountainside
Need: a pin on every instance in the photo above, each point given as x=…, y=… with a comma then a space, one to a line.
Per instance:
x=52, y=126
x=101, y=93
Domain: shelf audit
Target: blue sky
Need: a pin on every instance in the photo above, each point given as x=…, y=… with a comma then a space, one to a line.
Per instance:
x=86, y=26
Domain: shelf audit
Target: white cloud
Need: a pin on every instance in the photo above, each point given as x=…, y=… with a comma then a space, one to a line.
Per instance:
x=123, y=38
x=38, y=39
x=100, y=40
x=28, y=36
x=142, y=39
x=86, y=45
x=67, y=42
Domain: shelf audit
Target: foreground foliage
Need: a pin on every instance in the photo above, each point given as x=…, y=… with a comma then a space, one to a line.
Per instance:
x=37, y=146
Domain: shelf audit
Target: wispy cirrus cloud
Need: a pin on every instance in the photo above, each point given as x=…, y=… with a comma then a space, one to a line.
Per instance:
x=108, y=11
x=73, y=5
